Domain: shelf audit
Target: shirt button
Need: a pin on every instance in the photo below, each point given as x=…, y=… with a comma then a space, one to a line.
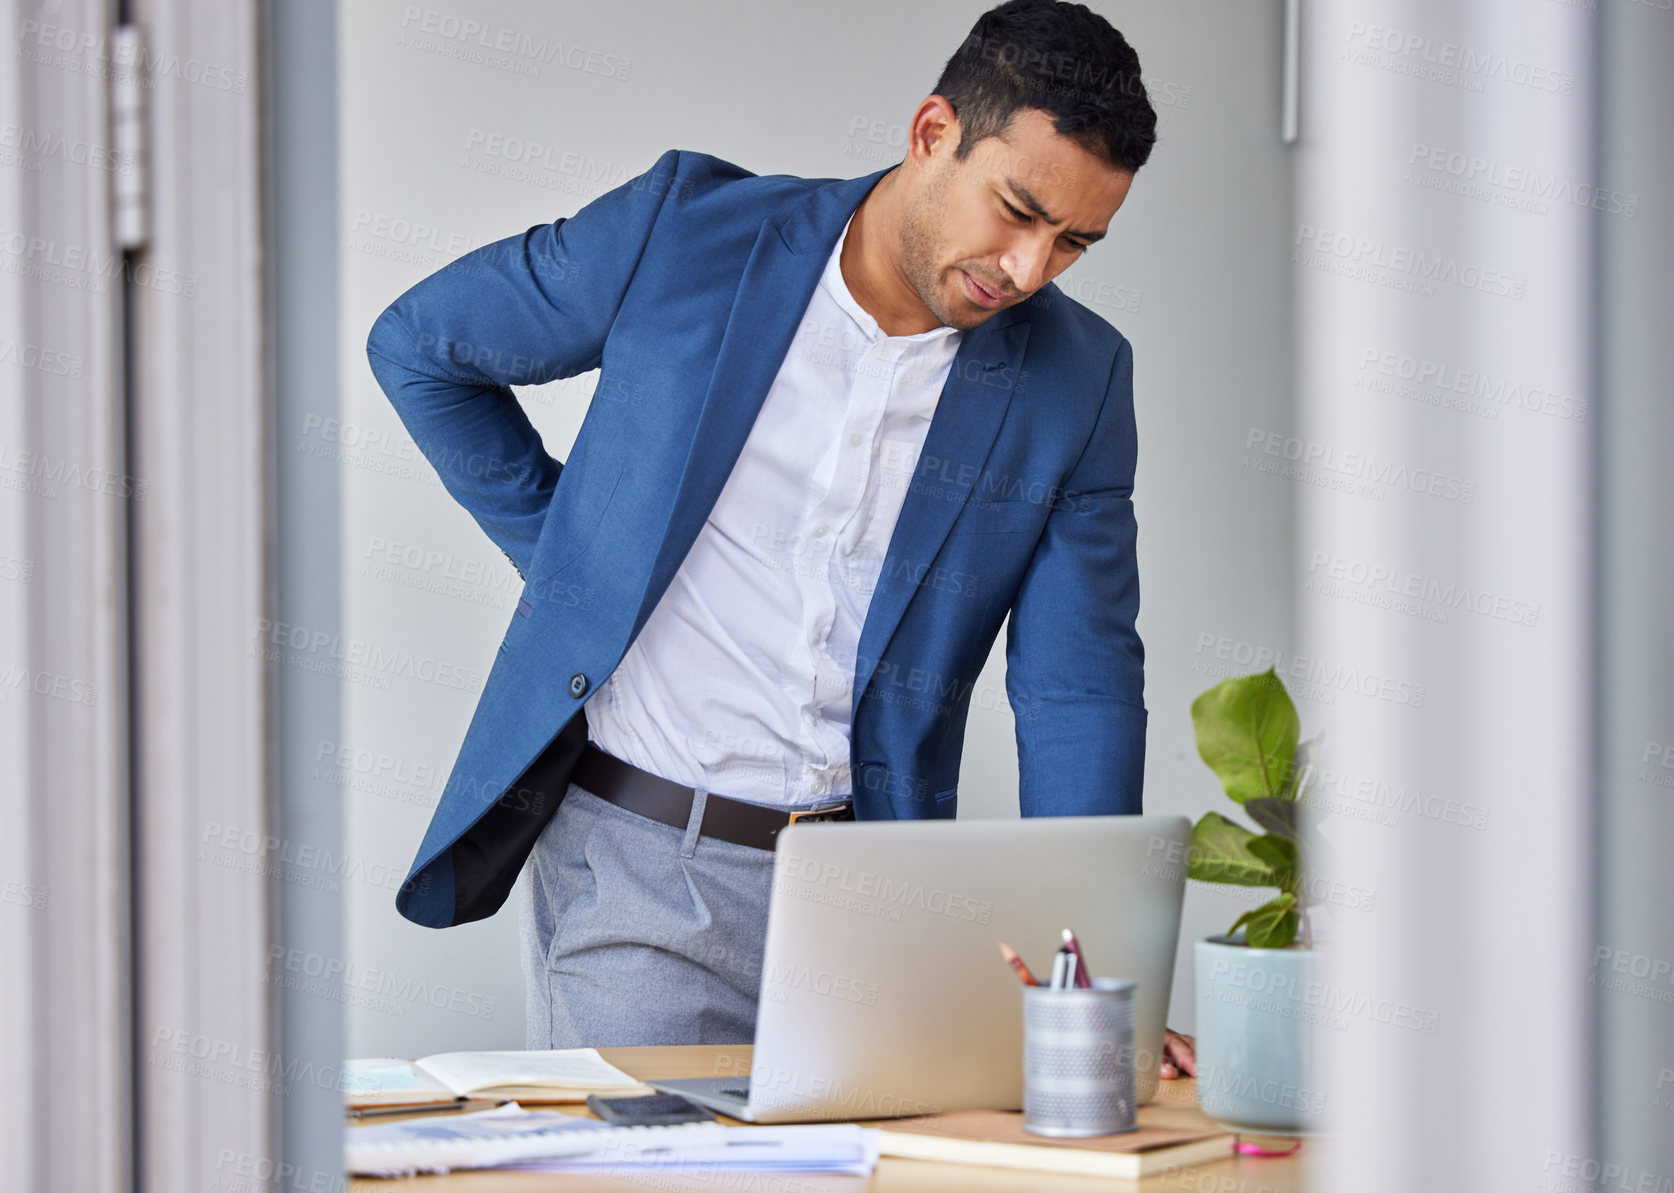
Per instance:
x=854, y=440
x=819, y=531
x=578, y=685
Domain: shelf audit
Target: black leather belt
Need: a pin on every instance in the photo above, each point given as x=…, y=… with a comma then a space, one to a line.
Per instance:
x=670, y=803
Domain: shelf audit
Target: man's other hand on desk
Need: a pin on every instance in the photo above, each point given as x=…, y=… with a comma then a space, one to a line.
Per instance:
x=1179, y=1056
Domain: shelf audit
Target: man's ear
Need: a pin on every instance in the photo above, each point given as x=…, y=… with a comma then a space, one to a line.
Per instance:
x=933, y=133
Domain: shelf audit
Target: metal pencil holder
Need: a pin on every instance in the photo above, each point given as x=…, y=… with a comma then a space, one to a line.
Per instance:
x=1078, y=1059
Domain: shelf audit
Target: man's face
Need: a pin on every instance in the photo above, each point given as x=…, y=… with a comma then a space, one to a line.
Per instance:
x=984, y=234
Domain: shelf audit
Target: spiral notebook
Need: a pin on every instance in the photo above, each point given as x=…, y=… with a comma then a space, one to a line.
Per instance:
x=548, y=1141
x=492, y=1138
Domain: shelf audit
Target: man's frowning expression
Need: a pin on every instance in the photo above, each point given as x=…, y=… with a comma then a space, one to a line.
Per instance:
x=983, y=234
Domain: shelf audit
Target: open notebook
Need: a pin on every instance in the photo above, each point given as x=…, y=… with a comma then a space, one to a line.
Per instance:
x=561, y=1075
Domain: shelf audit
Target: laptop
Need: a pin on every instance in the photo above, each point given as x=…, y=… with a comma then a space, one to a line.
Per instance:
x=884, y=993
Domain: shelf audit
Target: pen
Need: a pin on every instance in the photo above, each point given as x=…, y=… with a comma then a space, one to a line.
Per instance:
x=1079, y=975
x=1016, y=962
x=1063, y=969
x=453, y=1107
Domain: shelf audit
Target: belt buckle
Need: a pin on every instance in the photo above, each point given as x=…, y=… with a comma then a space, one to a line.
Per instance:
x=829, y=812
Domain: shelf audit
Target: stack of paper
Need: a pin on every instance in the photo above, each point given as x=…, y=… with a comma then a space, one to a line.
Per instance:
x=547, y=1141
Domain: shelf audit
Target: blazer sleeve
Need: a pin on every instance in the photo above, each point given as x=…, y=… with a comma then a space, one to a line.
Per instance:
x=1075, y=667
x=524, y=310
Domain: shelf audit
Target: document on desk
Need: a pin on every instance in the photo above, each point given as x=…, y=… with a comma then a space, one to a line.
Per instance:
x=828, y=1147
x=510, y=1137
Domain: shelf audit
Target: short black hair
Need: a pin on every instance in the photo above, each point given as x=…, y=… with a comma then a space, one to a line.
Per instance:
x=1062, y=58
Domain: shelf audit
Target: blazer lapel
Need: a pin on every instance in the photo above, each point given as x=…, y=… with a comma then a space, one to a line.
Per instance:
x=968, y=415
x=778, y=280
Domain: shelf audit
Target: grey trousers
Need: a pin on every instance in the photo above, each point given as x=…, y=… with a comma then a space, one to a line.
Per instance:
x=634, y=932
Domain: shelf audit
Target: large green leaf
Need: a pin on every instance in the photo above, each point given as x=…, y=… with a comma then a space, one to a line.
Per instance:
x=1278, y=855
x=1221, y=853
x=1272, y=925
x=1246, y=731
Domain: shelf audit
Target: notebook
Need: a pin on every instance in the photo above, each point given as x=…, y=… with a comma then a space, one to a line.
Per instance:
x=996, y=1138
x=561, y=1075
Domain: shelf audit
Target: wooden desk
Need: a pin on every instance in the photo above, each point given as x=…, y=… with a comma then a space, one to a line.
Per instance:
x=1176, y=1104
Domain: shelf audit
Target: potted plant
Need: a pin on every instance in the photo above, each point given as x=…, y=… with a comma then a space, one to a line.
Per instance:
x=1257, y=990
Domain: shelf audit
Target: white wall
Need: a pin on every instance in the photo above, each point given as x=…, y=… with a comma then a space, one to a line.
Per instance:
x=1194, y=272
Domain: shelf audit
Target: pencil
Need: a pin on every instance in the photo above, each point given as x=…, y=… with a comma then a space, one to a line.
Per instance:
x=1016, y=962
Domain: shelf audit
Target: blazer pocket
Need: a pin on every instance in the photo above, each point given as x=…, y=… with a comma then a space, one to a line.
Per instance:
x=524, y=610
x=1000, y=517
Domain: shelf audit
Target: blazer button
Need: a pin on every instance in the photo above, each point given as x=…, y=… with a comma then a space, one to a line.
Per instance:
x=578, y=685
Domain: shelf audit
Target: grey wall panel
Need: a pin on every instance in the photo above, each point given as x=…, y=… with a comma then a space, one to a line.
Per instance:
x=1633, y=955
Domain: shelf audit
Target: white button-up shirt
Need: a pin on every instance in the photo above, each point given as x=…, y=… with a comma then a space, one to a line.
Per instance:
x=742, y=679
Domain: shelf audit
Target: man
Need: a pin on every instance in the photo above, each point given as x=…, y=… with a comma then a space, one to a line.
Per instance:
x=841, y=430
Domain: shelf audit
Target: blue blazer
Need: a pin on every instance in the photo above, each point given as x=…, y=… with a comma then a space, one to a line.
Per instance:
x=684, y=287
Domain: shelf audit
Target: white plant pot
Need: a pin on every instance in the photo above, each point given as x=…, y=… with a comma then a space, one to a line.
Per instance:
x=1257, y=1016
